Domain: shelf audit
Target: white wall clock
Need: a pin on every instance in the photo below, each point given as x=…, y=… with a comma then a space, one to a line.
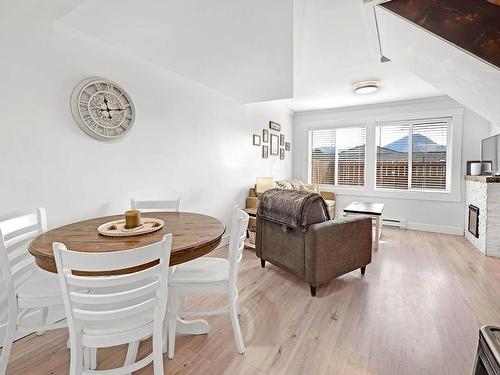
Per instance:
x=102, y=109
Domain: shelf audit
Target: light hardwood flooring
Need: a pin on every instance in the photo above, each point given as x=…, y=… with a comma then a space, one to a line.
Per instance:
x=416, y=311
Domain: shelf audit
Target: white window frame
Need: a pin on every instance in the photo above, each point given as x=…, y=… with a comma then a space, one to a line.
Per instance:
x=337, y=127
x=449, y=158
x=369, y=116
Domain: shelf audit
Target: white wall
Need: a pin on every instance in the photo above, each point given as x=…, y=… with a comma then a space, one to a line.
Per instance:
x=495, y=129
x=423, y=211
x=188, y=141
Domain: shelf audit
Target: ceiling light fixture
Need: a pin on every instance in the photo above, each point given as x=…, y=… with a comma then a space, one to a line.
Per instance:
x=366, y=87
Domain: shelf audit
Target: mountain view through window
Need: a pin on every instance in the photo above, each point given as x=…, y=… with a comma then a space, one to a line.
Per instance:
x=412, y=155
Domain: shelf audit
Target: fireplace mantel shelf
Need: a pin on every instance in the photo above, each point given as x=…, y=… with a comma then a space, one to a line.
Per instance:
x=486, y=179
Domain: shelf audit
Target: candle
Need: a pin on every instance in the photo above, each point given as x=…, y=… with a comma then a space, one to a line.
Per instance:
x=132, y=219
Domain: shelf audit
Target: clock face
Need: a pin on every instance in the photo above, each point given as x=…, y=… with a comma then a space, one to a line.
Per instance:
x=102, y=109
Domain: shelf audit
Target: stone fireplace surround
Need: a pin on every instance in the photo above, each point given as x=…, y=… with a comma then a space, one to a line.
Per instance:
x=484, y=193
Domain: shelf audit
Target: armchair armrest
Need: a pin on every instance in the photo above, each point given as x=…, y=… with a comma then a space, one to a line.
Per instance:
x=336, y=247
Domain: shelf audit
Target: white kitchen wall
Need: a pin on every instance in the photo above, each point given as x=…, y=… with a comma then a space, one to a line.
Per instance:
x=423, y=211
x=188, y=141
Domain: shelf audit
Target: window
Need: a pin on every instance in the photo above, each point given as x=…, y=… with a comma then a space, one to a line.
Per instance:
x=412, y=155
x=338, y=156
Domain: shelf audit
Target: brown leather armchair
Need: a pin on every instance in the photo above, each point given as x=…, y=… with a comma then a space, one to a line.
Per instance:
x=320, y=252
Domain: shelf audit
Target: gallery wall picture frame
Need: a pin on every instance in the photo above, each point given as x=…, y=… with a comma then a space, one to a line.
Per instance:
x=265, y=135
x=274, y=144
x=265, y=152
x=282, y=139
x=282, y=154
x=256, y=140
x=287, y=146
x=274, y=126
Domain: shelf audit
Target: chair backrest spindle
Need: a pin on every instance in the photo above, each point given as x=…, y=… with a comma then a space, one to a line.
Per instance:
x=237, y=241
x=15, y=234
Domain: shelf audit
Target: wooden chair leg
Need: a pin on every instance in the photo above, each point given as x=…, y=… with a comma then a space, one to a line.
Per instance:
x=262, y=263
x=172, y=323
x=8, y=339
x=43, y=319
x=157, y=351
x=363, y=270
x=313, y=290
x=238, y=338
x=76, y=355
x=133, y=347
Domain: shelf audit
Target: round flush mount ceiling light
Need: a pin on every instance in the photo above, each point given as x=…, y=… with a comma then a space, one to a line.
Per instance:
x=366, y=87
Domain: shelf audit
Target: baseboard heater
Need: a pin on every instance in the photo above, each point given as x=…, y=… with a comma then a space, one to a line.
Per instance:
x=402, y=224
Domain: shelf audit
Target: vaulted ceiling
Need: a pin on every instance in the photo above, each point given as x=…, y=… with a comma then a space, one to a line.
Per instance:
x=308, y=53
x=240, y=48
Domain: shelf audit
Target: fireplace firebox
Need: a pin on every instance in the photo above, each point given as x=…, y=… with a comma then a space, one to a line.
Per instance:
x=474, y=220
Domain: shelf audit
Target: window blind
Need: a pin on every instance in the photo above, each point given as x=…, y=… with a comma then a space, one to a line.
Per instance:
x=429, y=149
x=351, y=156
x=323, y=157
x=412, y=154
x=392, y=156
x=338, y=156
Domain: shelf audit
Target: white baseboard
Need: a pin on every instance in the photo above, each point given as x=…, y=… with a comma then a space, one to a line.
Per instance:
x=446, y=229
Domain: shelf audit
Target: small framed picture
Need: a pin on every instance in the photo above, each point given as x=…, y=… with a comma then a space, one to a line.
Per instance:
x=282, y=139
x=265, y=135
x=282, y=153
x=265, y=152
x=287, y=146
x=275, y=140
x=256, y=140
x=274, y=126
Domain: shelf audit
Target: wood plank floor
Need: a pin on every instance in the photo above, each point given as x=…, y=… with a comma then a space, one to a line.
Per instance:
x=416, y=311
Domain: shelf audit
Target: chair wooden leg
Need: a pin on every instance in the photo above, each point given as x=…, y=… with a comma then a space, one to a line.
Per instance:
x=313, y=290
x=172, y=323
x=233, y=312
x=133, y=347
x=43, y=319
x=8, y=339
x=76, y=355
x=182, y=305
x=86, y=358
x=93, y=358
x=158, y=351
x=363, y=270
x=262, y=263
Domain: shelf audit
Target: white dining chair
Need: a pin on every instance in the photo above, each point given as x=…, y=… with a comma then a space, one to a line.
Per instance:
x=161, y=205
x=115, y=309
x=209, y=275
x=27, y=288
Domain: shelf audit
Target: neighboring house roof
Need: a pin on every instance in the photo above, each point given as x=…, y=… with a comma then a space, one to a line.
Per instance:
x=424, y=149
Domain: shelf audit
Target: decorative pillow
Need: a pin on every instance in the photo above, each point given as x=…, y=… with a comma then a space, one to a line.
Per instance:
x=295, y=184
x=284, y=185
x=313, y=188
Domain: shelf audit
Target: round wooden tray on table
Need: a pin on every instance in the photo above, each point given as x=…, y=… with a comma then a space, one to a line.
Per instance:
x=193, y=235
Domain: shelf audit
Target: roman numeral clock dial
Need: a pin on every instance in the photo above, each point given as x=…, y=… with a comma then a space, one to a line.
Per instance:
x=102, y=109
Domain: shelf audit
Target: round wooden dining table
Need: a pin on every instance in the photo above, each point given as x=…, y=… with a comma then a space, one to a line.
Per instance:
x=193, y=235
